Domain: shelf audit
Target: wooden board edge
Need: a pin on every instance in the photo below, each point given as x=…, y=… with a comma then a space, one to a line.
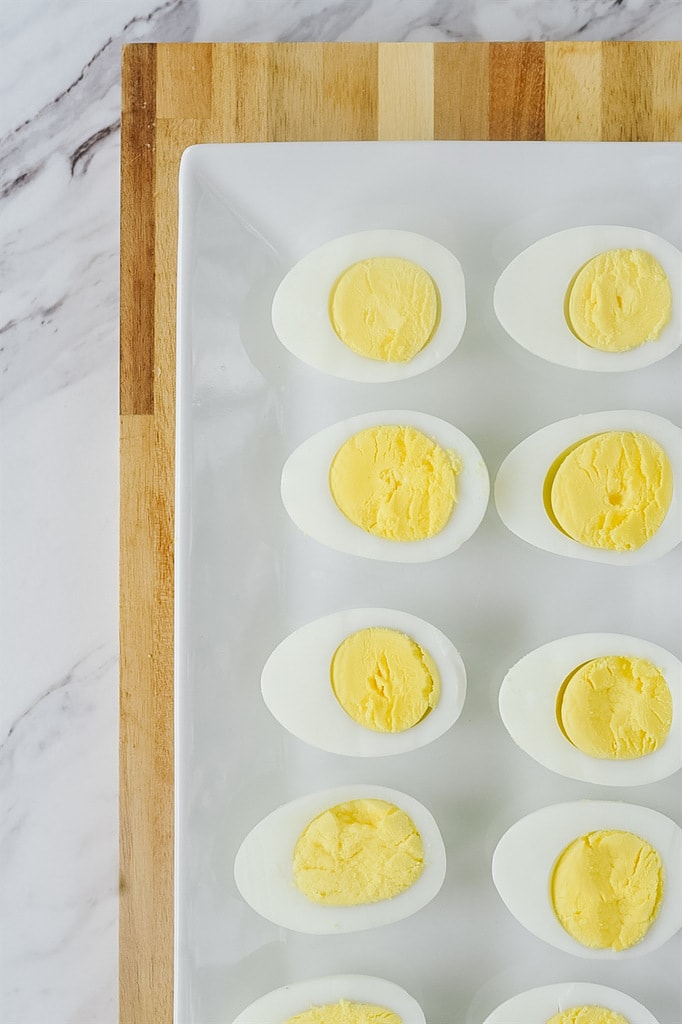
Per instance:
x=146, y=983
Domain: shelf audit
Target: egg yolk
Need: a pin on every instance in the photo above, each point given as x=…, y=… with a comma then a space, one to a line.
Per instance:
x=619, y=300
x=587, y=1015
x=361, y=851
x=606, y=889
x=395, y=482
x=615, y=707
x=610, y=491
x=385, y=308
x=349, y=1013
x=384, y=680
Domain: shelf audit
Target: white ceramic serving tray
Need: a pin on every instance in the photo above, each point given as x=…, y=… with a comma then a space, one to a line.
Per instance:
x=245, y=577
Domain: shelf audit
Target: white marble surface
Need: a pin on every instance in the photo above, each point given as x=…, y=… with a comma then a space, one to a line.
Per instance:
x=59, y=121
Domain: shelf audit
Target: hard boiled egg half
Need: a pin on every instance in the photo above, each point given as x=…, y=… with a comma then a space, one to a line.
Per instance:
x=375, y=306
x=585, y=287
x=365, y=682
x=593, y=878
x=398, y=486
x=604, y=486
x=598, y=707
x=549, y=1004
x=383, y=1002
x=294, y=868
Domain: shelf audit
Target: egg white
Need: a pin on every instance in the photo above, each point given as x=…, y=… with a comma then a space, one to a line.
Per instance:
x=279, y=1005
x=308, y=498
x=300, y=308
x=528, y=699
x=520, y=481
x=263, y=867
x=530, y=294
x=538, y=1005
x=524, y=859
x=296, y=684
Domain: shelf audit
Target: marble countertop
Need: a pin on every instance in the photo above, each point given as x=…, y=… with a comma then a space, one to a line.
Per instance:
x=60, y=121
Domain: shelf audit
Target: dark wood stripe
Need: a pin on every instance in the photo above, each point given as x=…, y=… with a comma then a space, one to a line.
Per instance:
x=460, y=85
x=517, y=91
x=137, y=229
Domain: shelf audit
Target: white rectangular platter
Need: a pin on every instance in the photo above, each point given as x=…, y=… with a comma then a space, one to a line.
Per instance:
x=245, y=577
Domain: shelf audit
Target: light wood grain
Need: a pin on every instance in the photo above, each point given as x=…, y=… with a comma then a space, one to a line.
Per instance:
x=175, y=95
x=241, y=81
x=461, y=79
x=646, y=101
x=573, y=106
x=146, y=730
x=405, y=91
x=184, y=88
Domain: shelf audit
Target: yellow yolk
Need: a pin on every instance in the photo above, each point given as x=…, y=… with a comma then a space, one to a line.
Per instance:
x=384, y=680
x=619, y=300
x=361, y=851
x=384, y=308
x=587, y=1015
x=610, y=491
x=395, y=482
x=607, y=888
x=349, y=1013
x=616, y=707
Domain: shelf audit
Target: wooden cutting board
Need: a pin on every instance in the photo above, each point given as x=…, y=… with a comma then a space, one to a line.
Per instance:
x=177, y=94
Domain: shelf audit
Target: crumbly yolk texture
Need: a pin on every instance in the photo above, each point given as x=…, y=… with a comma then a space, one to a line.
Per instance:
x=616, y=707
x=350, y=1013
x=607, y=888
x=361, y=851
x=587, y=1015
x=611, y=491
x=385, y=308
x=384, y=680
x=395, y=482
x=619, y=300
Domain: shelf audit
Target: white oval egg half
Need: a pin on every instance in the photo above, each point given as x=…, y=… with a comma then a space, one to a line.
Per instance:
x=528, y=707
x=296, y=684
x=308, y=499
x=300, y=308
x=263, y=867
x=524, y=859
x=530, y=294
x=520, y=481
x=539, y=1005
x=278, y=1006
